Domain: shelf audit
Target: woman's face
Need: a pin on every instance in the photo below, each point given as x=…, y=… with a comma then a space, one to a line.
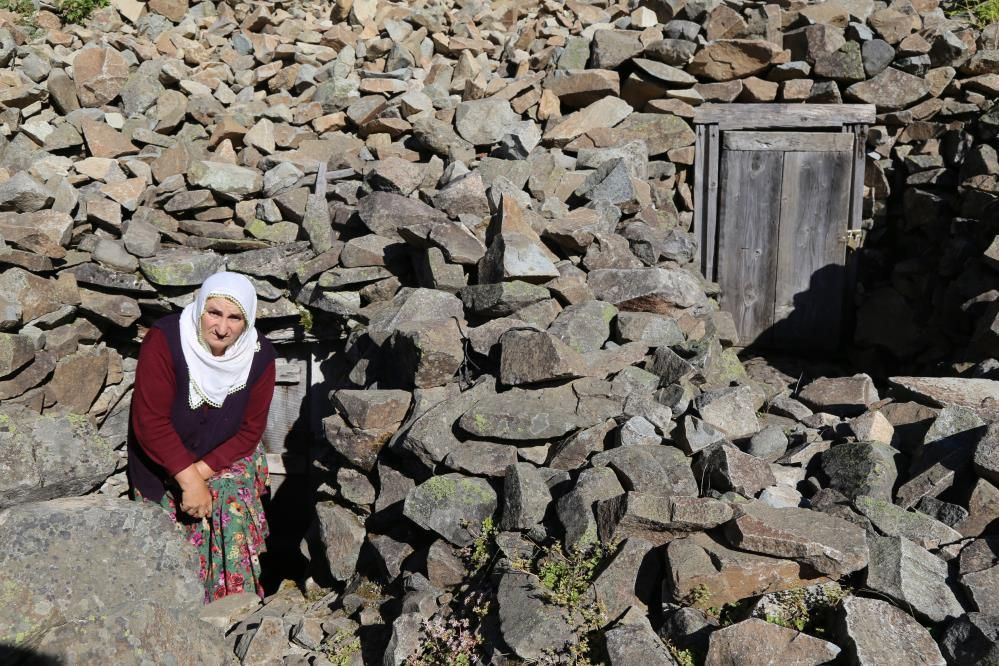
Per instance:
x=221, y=324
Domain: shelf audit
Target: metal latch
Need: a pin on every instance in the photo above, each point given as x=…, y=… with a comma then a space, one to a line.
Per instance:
x=854, y=238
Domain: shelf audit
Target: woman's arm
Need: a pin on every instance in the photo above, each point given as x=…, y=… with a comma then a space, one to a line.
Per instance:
x=244, y=442
x=152, y=401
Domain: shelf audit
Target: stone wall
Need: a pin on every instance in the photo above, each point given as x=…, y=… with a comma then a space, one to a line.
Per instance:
x=485, y=209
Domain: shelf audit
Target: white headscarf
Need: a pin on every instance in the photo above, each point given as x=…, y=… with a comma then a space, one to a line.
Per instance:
x=215, y=377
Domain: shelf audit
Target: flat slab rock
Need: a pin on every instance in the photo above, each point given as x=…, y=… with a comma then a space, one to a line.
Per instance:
x=754, y=642
x=173, y=635
x=705, y=573
x=875, y=632
x=979, y=395
x=77, y=538
x=830, y=545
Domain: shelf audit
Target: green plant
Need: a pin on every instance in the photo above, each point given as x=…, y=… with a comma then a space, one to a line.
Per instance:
x=681, y=657
x=982, y=12
x=341, y=647
x=568, y=576
x=698, y=597
x=24, y=8
x=78, y=11
x=305, y=318
x=482, y=549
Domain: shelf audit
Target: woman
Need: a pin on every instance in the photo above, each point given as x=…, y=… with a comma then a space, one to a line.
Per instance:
x=203, y=386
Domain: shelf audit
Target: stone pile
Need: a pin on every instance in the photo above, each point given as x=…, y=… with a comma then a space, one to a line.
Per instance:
x=486, y=208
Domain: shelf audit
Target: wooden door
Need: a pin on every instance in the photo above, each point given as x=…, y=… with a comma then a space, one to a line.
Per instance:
x=784, y=206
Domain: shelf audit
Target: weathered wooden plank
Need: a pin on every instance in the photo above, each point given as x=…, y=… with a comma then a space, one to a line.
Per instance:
x=711, y=195
x=859, y=132
x=747, y=246
x=760, y=116
x=700, y=180
x=815, y=206
x=788, y=141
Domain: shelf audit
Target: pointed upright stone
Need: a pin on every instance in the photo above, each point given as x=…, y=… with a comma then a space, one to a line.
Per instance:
x=516, y=251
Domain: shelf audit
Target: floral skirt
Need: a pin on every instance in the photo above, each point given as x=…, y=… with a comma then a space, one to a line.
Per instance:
x=230, y=540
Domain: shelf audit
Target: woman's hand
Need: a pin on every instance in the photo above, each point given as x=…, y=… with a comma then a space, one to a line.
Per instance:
x=204, y=470
x=195, y=498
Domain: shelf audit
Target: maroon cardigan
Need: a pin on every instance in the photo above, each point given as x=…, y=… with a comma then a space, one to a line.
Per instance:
x=166, y=435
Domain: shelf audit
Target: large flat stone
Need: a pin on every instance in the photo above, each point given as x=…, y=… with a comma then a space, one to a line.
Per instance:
x=73, y=559
x=828, y=544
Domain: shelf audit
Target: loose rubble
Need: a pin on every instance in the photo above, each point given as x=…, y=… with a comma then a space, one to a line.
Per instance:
x=539, y=442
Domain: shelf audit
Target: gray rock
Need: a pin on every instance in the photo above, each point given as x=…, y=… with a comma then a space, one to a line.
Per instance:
x=384, y=213
x=893, y=520
x=658, y=519
x=983, y=509
x=730, y=410
x=584, y=326
x=431, y=437
x=76, y=538
x=16, y=351
x=481, y=458
x=653, y=329
x=843, y=396
x=828, y=544
x=501, y=300
x=24, y=194
x=525, y=497
x=981, y=588
x=693, y=435
x=611, y=48
x=655, y=469
x=725, y=467
x=465, y=195
x=649, y=288
x=391, y=554
x=519, y=415
x=180, y=267
x=947, y=513
x=972, y=638
x=228, y=180
x=636, y=643
x=576, y=508
x=342, y=533
x=875, y=632
x=532, y=357
x=427, y=354
x=769, y=444
x=986, y=458
x=889, y=90
x=574, y=451
x=451, y=505
x=405, y=640
x=47, y=456
x=141, y=238
x=484, y=121
x=629, y=579
x=754, y=642
x=702, y=573
x=861, y=468
x=119, y=636
x=372, y=408
x=912, y=577
x=876, y=55
x=515, y=251
x=529, y=624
